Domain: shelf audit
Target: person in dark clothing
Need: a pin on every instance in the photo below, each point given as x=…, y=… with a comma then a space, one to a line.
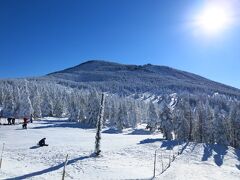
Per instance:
x=9, y=121
x=13, y=121
x=31, y=118
x=24, y=126
x=25, y=123
x=42, y=142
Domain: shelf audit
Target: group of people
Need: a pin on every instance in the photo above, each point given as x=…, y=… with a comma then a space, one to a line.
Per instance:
x=25, y=122
x=11, y=121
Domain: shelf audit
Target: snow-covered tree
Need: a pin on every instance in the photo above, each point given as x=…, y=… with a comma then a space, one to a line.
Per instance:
x=36, y=100
x=122, y=115
x=93, y=105
x=166, y=122
x=152, y=117
x=8, y=103
x=25, y=109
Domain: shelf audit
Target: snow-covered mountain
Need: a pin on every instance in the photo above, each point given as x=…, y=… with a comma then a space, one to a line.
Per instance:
x=182, y=105
x=128, y=79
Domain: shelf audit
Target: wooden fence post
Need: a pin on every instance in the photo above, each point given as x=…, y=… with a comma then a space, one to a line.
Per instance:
x=169, y=163
x=178, y=151
x=2, y=156
x=154, y=169
x=162, y=161
x=64, y=168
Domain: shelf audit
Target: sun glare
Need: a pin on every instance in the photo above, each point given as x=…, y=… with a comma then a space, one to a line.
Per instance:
x=214, y=18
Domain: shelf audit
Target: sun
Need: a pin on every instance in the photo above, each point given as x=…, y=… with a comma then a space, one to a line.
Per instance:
x=214, y=18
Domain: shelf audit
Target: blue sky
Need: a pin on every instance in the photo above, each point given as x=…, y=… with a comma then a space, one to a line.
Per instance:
x=42, y=36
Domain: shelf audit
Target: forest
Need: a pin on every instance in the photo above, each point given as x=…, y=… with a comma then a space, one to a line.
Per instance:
x=194, y=117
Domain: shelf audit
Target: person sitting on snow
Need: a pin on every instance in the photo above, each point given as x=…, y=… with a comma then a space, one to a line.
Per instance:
x=42, y=142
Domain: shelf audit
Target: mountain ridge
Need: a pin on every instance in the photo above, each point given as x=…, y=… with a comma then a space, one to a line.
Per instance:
x=154, y=76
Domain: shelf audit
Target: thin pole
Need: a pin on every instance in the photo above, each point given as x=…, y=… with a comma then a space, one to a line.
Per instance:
x=162, y=161
x=178, y=151
x=2, y=156
x=0, y=115
x=169, y=163
x=64, y=168
x=154, y=169
x=173, y=156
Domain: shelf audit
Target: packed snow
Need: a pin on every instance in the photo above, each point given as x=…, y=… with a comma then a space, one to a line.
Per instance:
x=126, y=155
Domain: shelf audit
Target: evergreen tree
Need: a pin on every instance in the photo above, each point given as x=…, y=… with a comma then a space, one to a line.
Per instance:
x=152, y=117
x=166, y=126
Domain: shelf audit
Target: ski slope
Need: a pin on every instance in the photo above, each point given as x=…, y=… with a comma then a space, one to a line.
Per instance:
x=129, y=155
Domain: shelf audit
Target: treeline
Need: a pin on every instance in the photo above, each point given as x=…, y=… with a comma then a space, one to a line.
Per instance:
x=194, y=117
x=199, y=118
x=21, y=98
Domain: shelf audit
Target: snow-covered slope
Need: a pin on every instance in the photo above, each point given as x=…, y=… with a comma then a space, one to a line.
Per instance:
x=128, y=79
x=129, y=155
x=204, y=162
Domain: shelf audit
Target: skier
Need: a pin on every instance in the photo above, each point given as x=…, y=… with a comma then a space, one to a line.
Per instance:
x=25, y=123
x=42, y=142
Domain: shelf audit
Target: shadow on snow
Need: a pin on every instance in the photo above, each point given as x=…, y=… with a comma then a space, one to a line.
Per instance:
x=111, y=131
x=134, y=132
x=150, y=140
x=34, y=147
x=51, y=121
x=60, y=124
x=50, y=169
x=171, y=144
x=237, y=152
x=168, y=144
x=220, y=151
x=140, y=132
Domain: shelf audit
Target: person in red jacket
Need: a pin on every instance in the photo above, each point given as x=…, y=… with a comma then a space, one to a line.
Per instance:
x=25, y=121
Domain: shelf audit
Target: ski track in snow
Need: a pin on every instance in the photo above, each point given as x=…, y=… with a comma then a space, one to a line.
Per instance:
x=124, y=156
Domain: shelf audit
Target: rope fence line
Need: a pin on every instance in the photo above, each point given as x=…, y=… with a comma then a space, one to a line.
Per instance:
x=163, y=158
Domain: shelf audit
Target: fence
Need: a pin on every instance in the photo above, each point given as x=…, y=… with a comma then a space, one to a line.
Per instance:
x=164, y=157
